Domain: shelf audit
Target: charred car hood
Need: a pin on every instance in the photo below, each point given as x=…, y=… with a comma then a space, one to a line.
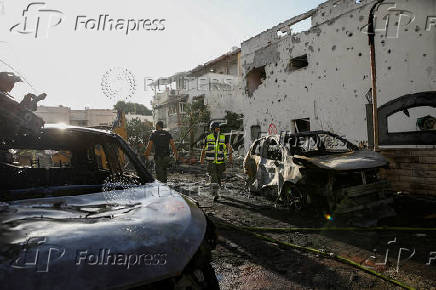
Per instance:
x=112, y=239
x=354, y=160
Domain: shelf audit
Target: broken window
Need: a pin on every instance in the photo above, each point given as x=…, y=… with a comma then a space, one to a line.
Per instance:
x=182, y=107
x=255, y=77
x=302, y=25
x=30, y=158
x=255, y=132
x=297, y=63
x=199, y=100
x=413, y=119
x=299, y=26
x=274, y=152
x=172, y=109
x=416, y=111
x=100, y=157
x=300, y=125
x=119, y=161
x=280, y=34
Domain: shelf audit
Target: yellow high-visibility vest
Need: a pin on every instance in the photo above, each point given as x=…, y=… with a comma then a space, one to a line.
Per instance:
x=216, y=149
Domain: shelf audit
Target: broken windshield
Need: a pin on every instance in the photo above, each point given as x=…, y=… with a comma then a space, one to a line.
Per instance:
x=65, y=163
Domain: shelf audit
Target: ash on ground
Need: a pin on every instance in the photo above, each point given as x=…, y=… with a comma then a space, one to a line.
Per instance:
x=242, y=261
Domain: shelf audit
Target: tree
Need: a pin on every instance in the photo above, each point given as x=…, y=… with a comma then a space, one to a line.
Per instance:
x=133, y=108
x=138, y=133
x=196, y=115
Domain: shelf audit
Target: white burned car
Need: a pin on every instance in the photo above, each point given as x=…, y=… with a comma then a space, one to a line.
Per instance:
x=320, y=168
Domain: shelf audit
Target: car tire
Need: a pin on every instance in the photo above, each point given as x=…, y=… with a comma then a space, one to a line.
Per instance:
x=198, y=280
x=293, y=197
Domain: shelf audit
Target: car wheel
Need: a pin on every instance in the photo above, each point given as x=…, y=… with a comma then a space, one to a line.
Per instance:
x=198, y=279
x=293, y=197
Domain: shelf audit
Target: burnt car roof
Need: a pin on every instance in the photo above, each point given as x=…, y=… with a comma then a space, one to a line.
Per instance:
x=50, y=127
x=352, y=159
x=57, y=136
x=319, y=132
x=283, y=137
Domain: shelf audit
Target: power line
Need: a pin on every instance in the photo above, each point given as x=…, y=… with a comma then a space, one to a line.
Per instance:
x=19, y=74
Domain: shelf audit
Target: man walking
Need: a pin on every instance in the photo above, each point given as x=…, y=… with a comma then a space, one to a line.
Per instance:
x=160, y=140
x=215, y=151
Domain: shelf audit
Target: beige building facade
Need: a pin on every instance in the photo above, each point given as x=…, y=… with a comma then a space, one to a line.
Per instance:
x=83, y=118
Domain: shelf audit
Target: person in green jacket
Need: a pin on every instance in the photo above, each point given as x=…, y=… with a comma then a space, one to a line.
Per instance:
x=216, y=152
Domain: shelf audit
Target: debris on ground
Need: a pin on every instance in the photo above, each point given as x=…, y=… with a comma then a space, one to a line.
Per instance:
x=244, y=262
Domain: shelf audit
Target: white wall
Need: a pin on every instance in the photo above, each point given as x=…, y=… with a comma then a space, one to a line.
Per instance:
x=221, y=93
x=94, y=117
x=331, y=90
x=140, y=117
x=98, y=117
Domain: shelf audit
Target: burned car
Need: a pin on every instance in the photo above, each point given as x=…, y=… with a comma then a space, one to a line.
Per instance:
x=321, y=169
x=78, y=210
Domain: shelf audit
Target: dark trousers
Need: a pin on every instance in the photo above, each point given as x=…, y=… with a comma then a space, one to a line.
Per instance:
x=161, y=164
x=216, y=172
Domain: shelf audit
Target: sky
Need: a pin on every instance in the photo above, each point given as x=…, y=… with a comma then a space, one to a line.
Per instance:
x=79, y=67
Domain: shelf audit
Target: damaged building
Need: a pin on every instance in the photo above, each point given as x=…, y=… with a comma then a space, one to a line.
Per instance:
x=320, y=79
x=314, y=72
x=216, y=84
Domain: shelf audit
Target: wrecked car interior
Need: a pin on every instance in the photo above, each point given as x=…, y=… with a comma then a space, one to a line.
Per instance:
x=77, y=160
x=308, y=166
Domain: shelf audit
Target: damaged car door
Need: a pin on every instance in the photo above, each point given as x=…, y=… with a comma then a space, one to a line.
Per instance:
x=264, y=163
x=274, y=162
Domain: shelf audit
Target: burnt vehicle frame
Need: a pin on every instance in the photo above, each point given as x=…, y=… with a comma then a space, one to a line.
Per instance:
x=81, y=204
x=319, y=168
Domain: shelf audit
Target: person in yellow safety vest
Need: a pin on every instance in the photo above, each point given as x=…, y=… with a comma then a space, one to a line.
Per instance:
x=215, y=151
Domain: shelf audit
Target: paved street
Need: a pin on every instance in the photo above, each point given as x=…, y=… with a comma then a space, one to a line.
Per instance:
x=242, y=261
